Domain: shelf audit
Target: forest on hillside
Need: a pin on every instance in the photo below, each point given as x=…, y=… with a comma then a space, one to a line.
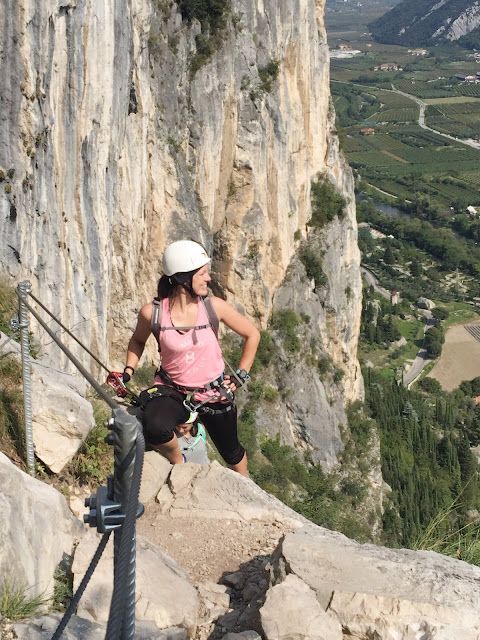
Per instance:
x=414, y=22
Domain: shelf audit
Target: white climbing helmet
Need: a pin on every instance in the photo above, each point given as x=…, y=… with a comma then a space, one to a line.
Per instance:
x=183, y=256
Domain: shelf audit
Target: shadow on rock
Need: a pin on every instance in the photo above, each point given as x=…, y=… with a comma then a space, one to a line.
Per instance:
x=247, y=588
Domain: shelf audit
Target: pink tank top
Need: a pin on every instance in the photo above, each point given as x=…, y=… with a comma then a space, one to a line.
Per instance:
x=190, y=363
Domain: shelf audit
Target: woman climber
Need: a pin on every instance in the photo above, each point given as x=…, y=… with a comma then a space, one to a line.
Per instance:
x=191, y=380
x=192, y=441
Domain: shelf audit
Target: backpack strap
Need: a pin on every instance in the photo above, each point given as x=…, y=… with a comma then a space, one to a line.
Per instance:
x=211, y=314
x=156, y=319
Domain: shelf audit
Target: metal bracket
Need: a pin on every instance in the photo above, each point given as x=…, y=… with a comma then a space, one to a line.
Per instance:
x=15, y=324
x=105, y=513
x=24, y=288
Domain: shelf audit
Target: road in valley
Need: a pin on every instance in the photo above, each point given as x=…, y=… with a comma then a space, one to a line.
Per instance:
x=421, y=358
x=372, y=281
x=421, y=116
x=421, y=120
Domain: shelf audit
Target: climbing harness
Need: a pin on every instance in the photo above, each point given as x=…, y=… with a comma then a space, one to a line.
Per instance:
x=194, y=408
x=114, y=507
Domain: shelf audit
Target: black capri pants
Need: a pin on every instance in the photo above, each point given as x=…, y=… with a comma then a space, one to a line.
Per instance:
x=162, y=414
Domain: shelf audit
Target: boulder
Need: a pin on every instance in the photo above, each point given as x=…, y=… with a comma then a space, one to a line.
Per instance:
x=214, y=595
x=61, y=415
x=211, y=491
x=154, y=475
x=425, y=303
x=37, y=530
x=291, y=610
x=328, y=561
x=163, y=594
x=365, y=615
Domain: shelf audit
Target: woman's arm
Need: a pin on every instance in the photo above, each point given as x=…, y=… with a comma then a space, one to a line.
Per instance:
x=241, y=325
x=137, y=341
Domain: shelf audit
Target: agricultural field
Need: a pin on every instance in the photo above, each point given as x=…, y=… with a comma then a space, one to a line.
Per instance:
x=402, y=160
x=397, y=115
x=458, y=119
x=423, y=89
x=460, y=359
x=405, y=159
x=468, y=90
x=400, y=157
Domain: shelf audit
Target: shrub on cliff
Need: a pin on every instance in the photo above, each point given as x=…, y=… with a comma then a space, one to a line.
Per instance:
x=286, y=321
x=210, y=13
x=327, y=202
x=313, y=265
x=268, y=74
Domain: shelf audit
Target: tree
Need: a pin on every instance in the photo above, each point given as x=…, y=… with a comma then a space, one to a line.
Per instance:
x=416, y=268
x=440, y=313
x=434, y=349
x=389, y=256
x=430, y=385
x=434, y=339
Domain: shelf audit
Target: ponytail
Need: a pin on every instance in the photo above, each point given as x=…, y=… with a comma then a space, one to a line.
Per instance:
x=166, y=288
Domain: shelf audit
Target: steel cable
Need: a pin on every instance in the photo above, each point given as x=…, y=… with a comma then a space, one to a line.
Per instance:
x=56, y=340
x=122, y=609
x=85, y=580
x=101, y=392
x=69, y=332
x=119, y=608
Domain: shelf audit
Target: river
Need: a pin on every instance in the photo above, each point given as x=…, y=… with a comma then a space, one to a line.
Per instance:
x=388, y=209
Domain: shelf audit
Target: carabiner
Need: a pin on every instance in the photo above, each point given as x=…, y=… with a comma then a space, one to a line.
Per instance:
x=191, y=408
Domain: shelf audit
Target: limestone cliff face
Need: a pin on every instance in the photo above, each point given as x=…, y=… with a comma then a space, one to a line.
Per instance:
x=111, y=147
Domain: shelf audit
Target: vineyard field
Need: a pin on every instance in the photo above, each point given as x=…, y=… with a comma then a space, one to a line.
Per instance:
x=399, y=156
x=397, y=115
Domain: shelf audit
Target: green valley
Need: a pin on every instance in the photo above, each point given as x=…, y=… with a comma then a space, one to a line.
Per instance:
x=407, y=121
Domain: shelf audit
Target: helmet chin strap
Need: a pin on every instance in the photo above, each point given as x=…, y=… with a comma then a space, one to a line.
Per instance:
x=185, y=280
x=189, y=289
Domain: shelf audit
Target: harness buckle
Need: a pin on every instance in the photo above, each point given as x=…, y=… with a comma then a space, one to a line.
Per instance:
x=191, y=408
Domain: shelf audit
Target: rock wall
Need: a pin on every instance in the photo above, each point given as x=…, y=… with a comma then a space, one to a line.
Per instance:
x=111, y=147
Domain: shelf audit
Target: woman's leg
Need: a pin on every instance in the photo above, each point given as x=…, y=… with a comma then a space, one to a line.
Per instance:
x=222, y=428
x=160, y=417
x=170, y=450
x=240, y=467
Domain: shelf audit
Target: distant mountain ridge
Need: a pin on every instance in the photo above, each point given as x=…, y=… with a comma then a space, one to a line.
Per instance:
x=427, y=22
